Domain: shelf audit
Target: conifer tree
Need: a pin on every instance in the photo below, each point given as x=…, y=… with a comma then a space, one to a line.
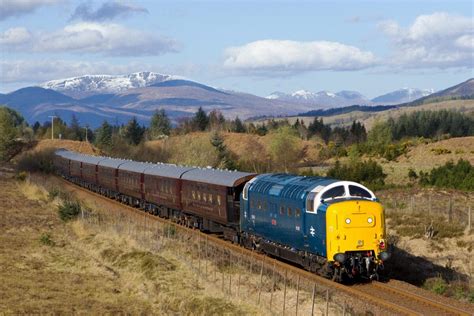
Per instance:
x=201, y=120
x=104, y=135
x=133, y=132
x=159, y=125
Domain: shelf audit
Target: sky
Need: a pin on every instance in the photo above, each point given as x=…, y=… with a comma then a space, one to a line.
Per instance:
x=257, y=47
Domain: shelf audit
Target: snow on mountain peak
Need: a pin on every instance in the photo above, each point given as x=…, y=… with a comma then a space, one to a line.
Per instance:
x=97, y=84
x=304, y=94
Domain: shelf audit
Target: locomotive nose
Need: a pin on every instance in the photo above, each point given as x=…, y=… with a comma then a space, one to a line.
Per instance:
x=355, y=226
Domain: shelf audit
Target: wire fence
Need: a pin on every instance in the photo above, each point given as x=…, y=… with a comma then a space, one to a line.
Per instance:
x=233, y=274
x=455, y=209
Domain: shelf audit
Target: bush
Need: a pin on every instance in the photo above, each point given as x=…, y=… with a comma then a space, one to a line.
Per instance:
x=69, y=210
x=367, y=172
x=436, y=285
x=21, y=176
x=455, y=176
x=37, y=161
x=46, y=240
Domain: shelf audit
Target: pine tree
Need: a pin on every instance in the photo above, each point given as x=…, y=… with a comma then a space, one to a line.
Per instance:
x=160, y=124
x=8, y=132
x=223, y=155
x=133, y=132
x=201, y=120
x=104, y=135
x=238, y=126
x=74, y=132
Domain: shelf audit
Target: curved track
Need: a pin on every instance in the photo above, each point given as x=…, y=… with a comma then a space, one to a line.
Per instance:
x=385, y=298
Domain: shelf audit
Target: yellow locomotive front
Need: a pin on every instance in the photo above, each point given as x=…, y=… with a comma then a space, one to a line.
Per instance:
x=355, y=235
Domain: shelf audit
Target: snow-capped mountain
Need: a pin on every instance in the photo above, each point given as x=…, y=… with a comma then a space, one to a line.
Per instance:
x=402, y=96
x=87, y=85
x=321, y=98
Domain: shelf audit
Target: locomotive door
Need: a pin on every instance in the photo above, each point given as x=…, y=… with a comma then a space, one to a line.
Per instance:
x=315, y=232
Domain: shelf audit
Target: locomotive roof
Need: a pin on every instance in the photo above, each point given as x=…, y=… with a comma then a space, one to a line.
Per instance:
x=217, y=177
x=168, y=170
x=287, y=185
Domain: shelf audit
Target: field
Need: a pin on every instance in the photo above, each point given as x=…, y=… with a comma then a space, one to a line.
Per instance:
x=49, y=266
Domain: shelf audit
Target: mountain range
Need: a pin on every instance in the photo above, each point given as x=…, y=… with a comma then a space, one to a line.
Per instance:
x=96, y=98
x=327, y=99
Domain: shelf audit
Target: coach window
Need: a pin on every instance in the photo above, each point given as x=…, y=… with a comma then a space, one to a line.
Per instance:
x=199, y=195
x=204, y=197
x=297, y=212
x=282, y=210
x=219, y=200
x=265, y=205
x=259, y=204
x=193, y=194
x=210, y=198
x=289, y=212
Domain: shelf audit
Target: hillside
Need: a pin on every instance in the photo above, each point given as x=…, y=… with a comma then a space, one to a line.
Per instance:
x=368, y=118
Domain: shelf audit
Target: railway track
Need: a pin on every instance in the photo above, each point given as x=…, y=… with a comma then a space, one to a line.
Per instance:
x=384, y=298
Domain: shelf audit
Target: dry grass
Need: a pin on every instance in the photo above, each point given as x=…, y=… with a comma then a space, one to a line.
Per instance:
x=48, y=266
x=77, y=146
x=425, y=157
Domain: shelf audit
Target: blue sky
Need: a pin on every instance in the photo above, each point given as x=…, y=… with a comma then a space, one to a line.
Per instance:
x=254, y=46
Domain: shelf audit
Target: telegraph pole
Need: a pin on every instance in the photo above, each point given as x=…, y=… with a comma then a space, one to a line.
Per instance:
x=52, y=125
x=86, y=132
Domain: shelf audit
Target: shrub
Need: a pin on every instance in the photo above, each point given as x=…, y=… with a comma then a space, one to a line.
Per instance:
x=69, y=210
x=437, y=285
x=37, y=161
x=21, y=176
x=367, y=172
x=455, y=176
x=46, y=240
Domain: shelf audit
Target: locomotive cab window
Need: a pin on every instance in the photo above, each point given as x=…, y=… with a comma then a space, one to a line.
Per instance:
x=333, y=193
x=310, y=202
x=357, y=191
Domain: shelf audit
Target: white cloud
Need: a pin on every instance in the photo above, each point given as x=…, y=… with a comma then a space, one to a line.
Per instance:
x=16, y=36
x=10, y=8
x=96, y=38
x=34, y=71
x=107, y=11
x=284, y=56
x=438, y=40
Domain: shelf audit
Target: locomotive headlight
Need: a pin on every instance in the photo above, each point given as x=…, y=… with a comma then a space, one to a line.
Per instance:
x=348, y=220
x=384, y=255
x=370, y=220
x=340, y=257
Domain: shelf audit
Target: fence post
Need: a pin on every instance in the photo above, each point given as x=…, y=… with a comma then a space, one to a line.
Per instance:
x=469, y=214
x=314, y=296
x=297, y=294
x=273, y=286
x=327, y=302
x=261, y=279
x=284, y=292
x=450, y=210
x=429, y=203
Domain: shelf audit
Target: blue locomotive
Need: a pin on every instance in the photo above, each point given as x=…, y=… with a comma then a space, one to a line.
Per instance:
x=332, y=227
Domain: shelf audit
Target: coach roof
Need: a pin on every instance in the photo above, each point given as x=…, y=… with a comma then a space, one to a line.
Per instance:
x=111, y=162
x=167, y=170
x=217, y=177
x=135, y=166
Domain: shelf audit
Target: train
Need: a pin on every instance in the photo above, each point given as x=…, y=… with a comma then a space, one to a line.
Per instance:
x=330, y=227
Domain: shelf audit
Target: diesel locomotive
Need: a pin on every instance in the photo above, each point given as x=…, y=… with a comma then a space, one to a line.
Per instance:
x=331, y=227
